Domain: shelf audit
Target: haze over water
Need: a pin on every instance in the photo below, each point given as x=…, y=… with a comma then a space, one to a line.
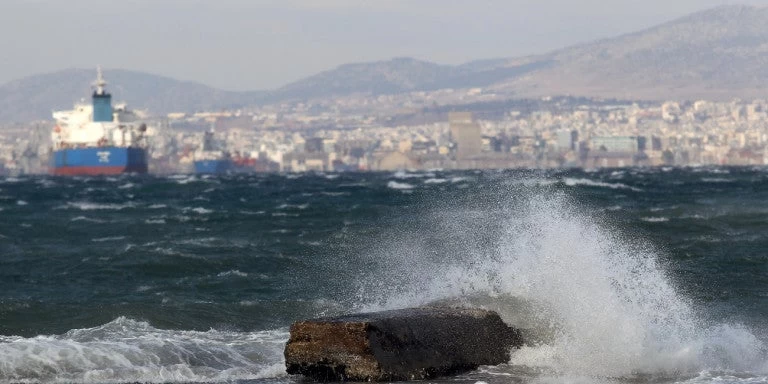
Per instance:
x=647, y=275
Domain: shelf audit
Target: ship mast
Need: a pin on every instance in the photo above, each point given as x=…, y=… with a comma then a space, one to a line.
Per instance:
x=100, y=82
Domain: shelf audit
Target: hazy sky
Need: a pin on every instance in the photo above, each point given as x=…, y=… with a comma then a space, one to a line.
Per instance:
x=257, y=44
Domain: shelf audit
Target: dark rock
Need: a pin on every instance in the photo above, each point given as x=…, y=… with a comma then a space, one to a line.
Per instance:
x=406, y=344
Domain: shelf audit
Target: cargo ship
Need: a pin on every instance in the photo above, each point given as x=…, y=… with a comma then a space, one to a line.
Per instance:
x=98, y=138
x=210, y=158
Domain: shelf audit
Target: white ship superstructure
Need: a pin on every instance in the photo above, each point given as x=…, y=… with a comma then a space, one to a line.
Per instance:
x=98, y=124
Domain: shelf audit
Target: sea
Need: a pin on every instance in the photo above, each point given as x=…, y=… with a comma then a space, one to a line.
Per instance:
x=656, y=275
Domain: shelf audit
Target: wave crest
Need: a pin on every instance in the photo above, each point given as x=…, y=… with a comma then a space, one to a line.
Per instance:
x=127, y=350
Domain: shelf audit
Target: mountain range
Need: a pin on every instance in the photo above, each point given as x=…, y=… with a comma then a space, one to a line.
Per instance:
x=719, y=53
x=34, y=97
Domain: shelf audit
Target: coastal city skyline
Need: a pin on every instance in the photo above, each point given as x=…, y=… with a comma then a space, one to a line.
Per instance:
x=683, y=93
x=238, y=45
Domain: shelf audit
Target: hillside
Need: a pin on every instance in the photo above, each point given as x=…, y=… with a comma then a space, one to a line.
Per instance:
x=34, y=97
x=400, y=75
x=719, y=53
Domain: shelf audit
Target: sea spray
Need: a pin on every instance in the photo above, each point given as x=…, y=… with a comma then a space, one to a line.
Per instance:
x=614, y=311
x=595, y=300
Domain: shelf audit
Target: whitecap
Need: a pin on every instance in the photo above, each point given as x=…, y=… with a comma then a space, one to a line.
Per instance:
x=293, y=206
x=186, y=180
x=247, y=212
x=108, y=238
x=88, y=219
x=572, y=182
x=233, y=272
x=335, y=194
x=89, y=206
x=655, y=219
x=198, y=210
x=283, y=214
x=396, y=185
x=404, y=175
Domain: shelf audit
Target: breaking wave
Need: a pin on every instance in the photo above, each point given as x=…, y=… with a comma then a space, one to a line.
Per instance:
x=592, y=301
x=127, y=350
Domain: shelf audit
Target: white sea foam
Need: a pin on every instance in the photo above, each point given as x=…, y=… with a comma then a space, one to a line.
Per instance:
x=617, y=174
x=293, y=206
x=233, y=272
x=89, y=206
x=709, y=376
x=655, y=219
x=396, y=185
x=198, y=210
x=435, y=181
x=283, y=214
x=717, y=180
x=571, y=182
x=88, y=219
x=21, y=202
x=186, y=180
x=126, y=350
x=335, y=194
x=247, y=212
x=108, y=238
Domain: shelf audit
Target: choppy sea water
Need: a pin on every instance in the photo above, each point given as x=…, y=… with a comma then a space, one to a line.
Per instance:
x=637, y=275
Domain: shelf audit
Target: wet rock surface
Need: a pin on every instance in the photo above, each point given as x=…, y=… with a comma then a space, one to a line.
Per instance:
x=405, y=344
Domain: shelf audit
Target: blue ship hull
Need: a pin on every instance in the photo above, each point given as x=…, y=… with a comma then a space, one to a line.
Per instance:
x=109, y=160
x=213, y=166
